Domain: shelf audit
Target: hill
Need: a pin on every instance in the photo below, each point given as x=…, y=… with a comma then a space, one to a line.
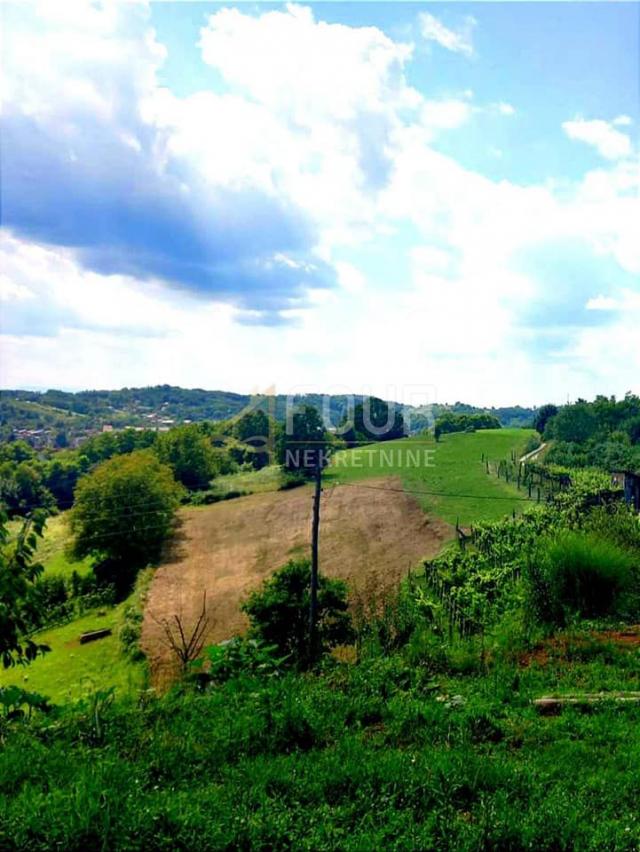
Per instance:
x=86, y=411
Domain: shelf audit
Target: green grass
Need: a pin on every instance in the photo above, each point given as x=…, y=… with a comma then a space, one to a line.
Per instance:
x=388, y=754
x=52, y=547
x=254, y=481
x=451, y=469
x=72, y=670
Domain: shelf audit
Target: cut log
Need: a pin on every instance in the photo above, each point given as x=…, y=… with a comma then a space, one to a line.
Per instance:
x=552, y=704
x=92, y=635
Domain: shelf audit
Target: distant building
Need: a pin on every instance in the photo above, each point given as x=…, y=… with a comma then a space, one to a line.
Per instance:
x=629, y=481
x=107, y=427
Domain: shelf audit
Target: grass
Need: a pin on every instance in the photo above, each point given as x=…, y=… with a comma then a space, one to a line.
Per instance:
x=385, y=754
x=71, y=670
x=254, y=482
x=52, y=548
x=451, y=468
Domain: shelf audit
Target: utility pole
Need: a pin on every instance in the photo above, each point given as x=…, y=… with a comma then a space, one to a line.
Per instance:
x=315, y=529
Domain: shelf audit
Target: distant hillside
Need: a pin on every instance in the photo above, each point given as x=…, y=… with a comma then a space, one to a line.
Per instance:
x=88, y=410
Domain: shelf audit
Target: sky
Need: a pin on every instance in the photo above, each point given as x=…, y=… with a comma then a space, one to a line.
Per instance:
x=429, y=202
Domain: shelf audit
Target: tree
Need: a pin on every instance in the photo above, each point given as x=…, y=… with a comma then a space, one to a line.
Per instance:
x=18, y=573
x=303, y=444
x=22, y=487
x=124, y=510
x=61, y=477
x=258, y=431
x=577, y=423
x=279, y=613
x=543, y=415
x=372, y=421
x=188, y=451
x=450, y=422
x=185, y=643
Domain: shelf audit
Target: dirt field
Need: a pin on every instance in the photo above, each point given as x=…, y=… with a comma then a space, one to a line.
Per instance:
x=229, y=548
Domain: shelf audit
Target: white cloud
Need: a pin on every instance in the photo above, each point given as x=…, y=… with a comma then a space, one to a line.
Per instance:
x=505, y=108
x=603, y=303
x=609, y=142
x=445, y=114
x=458, y=41
x=348, y=143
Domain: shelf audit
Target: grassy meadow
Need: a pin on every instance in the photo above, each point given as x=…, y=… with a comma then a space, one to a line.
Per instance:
x=452, y=469
x=71, y=670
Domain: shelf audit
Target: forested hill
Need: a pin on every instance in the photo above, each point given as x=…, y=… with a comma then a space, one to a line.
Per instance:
x=133, y=406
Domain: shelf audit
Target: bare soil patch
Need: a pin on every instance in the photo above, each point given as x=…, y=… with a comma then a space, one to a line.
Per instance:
x=228, y=549
x=564, y=648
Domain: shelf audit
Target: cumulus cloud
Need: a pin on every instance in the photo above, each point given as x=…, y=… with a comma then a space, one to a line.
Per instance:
x=458, y=41
x=87, y=165
x=602, y=135
x=299, y=210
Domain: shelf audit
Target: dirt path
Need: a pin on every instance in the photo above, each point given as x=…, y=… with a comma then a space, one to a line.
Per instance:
x=229, y=548
x=533, y=455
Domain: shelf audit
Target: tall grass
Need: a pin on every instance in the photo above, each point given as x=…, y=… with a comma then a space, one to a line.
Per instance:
x=576, y=573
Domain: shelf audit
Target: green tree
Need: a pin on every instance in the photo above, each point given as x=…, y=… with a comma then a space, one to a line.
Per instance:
x=577, y=423
x=260, y=432
x=18, y=573
x=279, y=613
x=61, y=476
x=543, y=415
x=372, y=421
x=22, y=487
x=188, y=451
x=124, y=510
x=303, y=443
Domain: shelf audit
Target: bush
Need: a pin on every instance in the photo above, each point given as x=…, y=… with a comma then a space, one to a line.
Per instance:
x=290, y=481
x=207, y=498
x=576, y=573
x=279, y=613
x=240, y=656
x=618, y=524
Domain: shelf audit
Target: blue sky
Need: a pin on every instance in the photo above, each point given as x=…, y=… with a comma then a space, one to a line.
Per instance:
x=395, y=198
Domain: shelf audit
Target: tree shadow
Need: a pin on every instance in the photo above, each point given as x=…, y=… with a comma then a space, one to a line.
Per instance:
x=174, y=548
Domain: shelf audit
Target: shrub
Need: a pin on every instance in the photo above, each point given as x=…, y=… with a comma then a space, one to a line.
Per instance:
x=240, y=656
x=279, y=613
x=290, y=481
x=576, y=573
x=618, y=524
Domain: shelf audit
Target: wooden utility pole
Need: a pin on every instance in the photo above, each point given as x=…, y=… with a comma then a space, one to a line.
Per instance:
x=315, y=529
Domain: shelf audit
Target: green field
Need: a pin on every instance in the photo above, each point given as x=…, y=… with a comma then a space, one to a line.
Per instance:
x=450, y=470
x=72, y=670
x=52, y=551
x=253, y=481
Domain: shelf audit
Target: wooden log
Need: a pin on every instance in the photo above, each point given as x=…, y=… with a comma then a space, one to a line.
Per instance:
x=92, y=635
x=550, y=705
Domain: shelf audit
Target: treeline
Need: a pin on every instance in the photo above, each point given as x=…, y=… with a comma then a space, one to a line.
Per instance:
x=604, y=433
x=196, y=453
x=132, y=406
x=509, y=417
x=73, y=413
x=450, y=422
